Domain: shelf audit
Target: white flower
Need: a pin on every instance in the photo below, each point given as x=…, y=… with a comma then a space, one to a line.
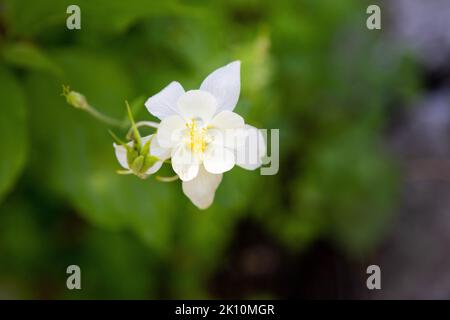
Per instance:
x=142, y=165
x=203, y=135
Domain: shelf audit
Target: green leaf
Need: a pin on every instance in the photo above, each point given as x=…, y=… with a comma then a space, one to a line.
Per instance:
x=100, y=17
x=13, y=130
x=28, y=56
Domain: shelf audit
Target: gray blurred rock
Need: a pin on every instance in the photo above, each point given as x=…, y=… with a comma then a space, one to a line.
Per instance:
x=422, y=26
x=415, y=259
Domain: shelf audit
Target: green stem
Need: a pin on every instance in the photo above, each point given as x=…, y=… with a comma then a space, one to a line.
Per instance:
x=104, y=118
x=142, y=124
x=137, y=136
x=167, y=179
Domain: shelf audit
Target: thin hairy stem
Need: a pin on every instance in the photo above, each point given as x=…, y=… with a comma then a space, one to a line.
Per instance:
x=167, y=179
x=140, y=124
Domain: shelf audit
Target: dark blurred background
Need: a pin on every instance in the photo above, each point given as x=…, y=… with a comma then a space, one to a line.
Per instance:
x=364, y=175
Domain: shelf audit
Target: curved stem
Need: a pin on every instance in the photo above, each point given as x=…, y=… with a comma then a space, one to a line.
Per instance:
x=139, y=124
x=167, y=179
x=104, y=118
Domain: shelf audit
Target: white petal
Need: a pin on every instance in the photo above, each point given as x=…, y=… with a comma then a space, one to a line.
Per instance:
x=164, y=103
x=218, y=159
x=157, y=150
x=121, y=154
x=170, y=131
x=201, y=190
x=154, y=168
x=249, y=154
x=197, y=104
x=229, y=138
x=225, y=85
x=185, y=163
x=228, y=120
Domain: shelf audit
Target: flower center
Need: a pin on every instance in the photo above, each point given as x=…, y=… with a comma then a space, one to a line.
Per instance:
x=197, y=137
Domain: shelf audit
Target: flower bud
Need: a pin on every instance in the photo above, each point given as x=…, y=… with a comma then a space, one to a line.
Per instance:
x=135, y=155
x=138, y=158
x=74, y=98
x=137, y=164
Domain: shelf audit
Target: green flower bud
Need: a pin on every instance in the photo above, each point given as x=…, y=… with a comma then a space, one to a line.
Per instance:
x=132, y=154
x=137, y=152
x=137, y=164
x=148, y=162
x=75, y=99
x=139, y=161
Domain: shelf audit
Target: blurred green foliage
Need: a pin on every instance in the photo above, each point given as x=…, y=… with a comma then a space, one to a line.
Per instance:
x=309, y=68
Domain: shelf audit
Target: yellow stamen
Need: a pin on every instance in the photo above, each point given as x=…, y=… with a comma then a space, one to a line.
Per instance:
x=196, y=140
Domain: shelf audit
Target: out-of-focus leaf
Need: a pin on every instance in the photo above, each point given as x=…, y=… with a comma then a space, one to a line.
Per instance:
x=51, y=233
x=27, y=17
x=28, y=56
x=202, y=237
x=25, y=247
x=125, y=272
x=13, y=130
x=120, y=15
x=349, y=204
